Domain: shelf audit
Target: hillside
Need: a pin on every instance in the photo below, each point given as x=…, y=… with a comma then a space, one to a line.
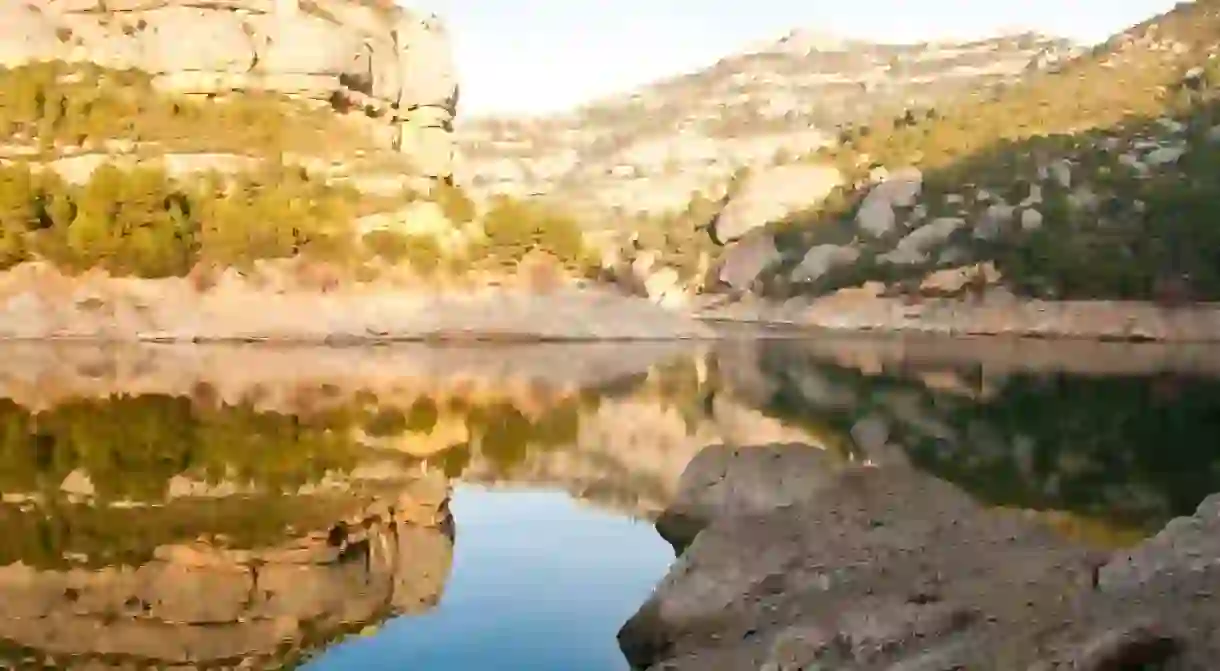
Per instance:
x=278, y=131
x=649, y=150
x=1096, y=181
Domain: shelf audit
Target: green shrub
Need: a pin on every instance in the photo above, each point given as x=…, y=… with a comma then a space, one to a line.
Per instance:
x=515, y=227
x=140, y=222
x=60, y=104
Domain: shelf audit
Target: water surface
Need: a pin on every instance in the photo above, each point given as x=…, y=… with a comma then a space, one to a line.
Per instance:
x=492, y=507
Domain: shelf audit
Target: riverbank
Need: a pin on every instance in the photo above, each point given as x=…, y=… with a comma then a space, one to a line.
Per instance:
x=855, y=311
x=274, y=303
x=38, y=303
x=790, y=561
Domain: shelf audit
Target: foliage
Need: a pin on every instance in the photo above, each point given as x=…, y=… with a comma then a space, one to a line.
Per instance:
x=453, y=201
x=56, y=104
x=141, y=222
x=1114, y=232
x=421, y=252
x=515, y=227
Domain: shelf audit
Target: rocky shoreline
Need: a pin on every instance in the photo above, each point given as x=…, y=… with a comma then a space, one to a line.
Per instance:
x=789, y=561
x=41, y=305
x=1011, y=317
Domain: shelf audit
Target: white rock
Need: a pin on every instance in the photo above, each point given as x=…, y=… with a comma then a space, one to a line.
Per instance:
x=1062, y=172
x=1031, y=220
x=1165, y=155
x=661, y=283
x=78, y=483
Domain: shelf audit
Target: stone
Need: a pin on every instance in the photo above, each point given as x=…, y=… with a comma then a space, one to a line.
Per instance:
x=743, y=263
x=725, y=481
x=1061, y=171
x=661, y=283
x=772, y=194
x=915, y=247
x=899, y=188
x=821, y=259
x=1164, y=155
x=1031, y=220
x=78, y=483
x=993, y=222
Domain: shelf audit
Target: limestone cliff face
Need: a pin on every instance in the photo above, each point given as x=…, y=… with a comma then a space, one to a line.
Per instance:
x=394, y=65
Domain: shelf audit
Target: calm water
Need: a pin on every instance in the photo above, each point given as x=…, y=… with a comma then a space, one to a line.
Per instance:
x=491, y=508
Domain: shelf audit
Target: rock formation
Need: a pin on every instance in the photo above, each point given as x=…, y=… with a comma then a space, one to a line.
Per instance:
x=891, y=568
x=387, y=62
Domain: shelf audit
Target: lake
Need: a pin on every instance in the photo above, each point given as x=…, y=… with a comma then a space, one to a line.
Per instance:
x=491, y=507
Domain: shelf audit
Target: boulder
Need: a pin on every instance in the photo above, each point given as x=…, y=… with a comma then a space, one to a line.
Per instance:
x=919, y=243
x=899, y=188
x=723, y=481
x=821, y=259
x=745, y=261
x=771, y=195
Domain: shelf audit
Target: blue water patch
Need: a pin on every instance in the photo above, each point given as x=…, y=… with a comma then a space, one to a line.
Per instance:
x=540, y=582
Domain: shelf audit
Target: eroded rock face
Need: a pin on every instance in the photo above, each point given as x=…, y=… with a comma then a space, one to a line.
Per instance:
x=393, y=63
x=891, y=568
x=199, y=603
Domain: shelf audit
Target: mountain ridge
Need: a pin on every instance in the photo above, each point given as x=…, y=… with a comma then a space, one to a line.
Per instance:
x=693, y=131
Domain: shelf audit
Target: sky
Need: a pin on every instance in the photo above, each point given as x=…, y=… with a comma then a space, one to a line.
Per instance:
x=538, y=56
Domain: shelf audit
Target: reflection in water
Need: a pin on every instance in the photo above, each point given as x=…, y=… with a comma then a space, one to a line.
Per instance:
x=539, y=582
x=163, y=511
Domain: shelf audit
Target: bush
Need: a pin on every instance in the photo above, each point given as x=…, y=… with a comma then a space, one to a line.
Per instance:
x=141, y=222
x=453, y=201
x=60, y=104
x=515, y=227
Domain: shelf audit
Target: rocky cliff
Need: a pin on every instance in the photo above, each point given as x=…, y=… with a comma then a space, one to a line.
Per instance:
x=369, y=58
x=647, y=151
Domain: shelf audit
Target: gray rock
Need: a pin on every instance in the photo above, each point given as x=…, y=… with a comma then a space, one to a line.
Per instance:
x=821, y=259
x=723, y=481
x=743, y=262
x=898, y=189
x=916, y=246
x=993, y=222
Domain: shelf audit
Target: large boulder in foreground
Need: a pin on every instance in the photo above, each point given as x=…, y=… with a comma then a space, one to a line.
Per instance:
x=888, y=568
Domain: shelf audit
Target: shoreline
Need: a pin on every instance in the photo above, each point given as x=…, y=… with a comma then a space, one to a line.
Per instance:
x=38, y=303
x=1101, y=321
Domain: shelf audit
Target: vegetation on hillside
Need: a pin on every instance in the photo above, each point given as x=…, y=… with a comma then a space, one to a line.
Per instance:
x=1120, y=226
x=54, y=105
x=141, y=222
x=138, y=220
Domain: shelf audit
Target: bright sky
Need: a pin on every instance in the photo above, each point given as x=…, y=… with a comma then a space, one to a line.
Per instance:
x=547, y=55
